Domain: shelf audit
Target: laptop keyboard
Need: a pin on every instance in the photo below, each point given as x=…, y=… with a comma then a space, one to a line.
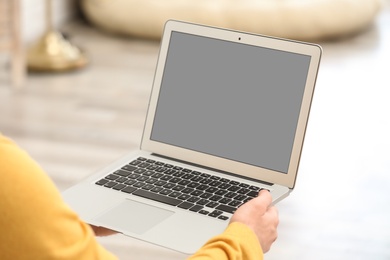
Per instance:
x=180, y=187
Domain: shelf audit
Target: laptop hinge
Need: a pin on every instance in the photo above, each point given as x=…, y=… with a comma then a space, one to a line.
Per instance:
x=212, y=169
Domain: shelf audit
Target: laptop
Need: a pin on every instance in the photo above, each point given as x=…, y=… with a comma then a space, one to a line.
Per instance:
x=227, y=117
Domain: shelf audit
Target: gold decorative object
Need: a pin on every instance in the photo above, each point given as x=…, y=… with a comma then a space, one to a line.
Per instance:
x=53, y=52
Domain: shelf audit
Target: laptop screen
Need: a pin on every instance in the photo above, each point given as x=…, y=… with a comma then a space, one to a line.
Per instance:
x=232, y=100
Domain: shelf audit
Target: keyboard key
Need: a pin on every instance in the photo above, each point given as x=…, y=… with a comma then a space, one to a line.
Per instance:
x=160, y=183
x=211, y=189
x=140, y=170
x=231, y=194
x=206, y=181
x=157, y=189
x=166, y=178
x=174, y=194
x=215, y=213
x=187, y=176
x=244, y=185
x=121, y=179
x=215, y=198
x=212, y=204
x=253, y=194
x=159, y=163
x=110, y=184
x=143, y=178
x=170, y=172
x=202, y=187
x=157, y=197
x=144, y=165
x=157, y=175
x=175, y=180
x=196, y=208
x=152, y=167
x=206, y=195
x=178, y=174
x=129, y=189
x=243, y=191
x=148, y=187
x=226, y=208
x=185, y=205
x=151, y=180
x=202, y=202
x=112, y=177
x=165, y=191
x=225, y=201
x=161, y=169
x=148, y=173
x=122, y=173
x=184, y=182
x=130, y=182
x=187, y=190
x=203, y=212
x=184, y=197
x=221, y=192
x=169, y=185
x=136, y=162
x=196, y=193
x=119, y=186
x=240, y=197
x=178, y=188
x=101, y=182
x=196, y=179
x=223, y=217
x=193, y=199
x=139, y=184
x=234, y=188
x=193, y=185
x=215, y=183
x=134, y=176
x=224, y=186
x=235, y=203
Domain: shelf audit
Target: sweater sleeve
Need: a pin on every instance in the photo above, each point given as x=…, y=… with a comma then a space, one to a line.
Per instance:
x=35, y=223
x=237, y=242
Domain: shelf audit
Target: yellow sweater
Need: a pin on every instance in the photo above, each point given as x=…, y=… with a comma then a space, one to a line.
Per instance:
x=35, y=223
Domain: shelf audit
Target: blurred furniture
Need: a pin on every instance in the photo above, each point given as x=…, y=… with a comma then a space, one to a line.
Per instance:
x=11, y=40
x=53, y=52
x=309, y=20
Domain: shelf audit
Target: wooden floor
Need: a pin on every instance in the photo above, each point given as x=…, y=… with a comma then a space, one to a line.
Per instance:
x=75, y=123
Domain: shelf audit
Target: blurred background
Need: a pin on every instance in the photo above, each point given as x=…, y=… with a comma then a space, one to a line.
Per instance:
x=75, y=78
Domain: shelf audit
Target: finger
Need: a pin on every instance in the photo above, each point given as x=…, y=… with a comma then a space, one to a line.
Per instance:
x=266, y=197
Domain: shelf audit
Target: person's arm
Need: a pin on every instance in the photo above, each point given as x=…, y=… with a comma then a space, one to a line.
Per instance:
x=252, y=230
x=35, y=222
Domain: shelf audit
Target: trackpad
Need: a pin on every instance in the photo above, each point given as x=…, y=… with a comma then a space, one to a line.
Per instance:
x=133, y=217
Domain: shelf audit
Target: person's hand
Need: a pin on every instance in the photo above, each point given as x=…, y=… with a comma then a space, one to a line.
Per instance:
x=261, y=217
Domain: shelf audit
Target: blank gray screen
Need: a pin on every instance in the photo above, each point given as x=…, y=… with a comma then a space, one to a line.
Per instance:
x=231, y=100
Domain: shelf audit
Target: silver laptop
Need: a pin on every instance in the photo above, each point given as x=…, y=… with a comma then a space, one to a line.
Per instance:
x=227, y=118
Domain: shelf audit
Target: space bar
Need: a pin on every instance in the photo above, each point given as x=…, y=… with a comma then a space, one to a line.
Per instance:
x=157, y=197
